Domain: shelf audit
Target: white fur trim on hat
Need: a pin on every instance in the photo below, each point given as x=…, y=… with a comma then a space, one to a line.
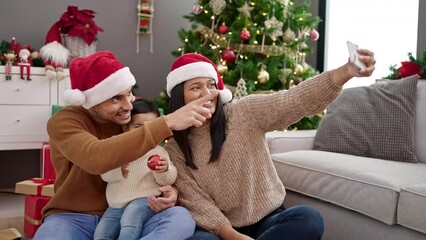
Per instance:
x=225, y=95
x=74, y=97
x=114, y=84
x=190, y=71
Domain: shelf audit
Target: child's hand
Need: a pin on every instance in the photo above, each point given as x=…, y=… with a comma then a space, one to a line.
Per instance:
x=125, y=170
x=163, y=166
x=157, y=164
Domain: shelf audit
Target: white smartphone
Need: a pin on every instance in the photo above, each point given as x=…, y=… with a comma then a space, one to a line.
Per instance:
x=354, y=55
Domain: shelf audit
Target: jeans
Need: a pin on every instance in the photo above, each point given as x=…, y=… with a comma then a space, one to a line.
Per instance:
x=126, y=223
x=201, y=234
x=298, y=223
x=172, y=223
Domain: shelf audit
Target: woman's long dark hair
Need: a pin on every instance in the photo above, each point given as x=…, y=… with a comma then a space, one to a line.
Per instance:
x=217, y=128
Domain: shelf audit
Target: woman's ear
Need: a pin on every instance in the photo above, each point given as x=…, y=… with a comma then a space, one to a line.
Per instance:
x=125, y=128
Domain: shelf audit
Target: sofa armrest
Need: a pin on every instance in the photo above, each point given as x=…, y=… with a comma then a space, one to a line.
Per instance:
x=286, y=141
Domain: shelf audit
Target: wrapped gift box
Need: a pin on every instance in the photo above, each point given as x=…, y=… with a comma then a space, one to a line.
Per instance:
x=33, y=217
x=47, y=170
x=35, y=186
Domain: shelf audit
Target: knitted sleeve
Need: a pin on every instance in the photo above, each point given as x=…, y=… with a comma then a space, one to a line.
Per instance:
x=280, y=109
x=193, y=198
x=168, y=177
x=77, y=138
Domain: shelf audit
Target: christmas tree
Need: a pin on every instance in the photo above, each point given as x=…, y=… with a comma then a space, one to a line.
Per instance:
x=259, y=43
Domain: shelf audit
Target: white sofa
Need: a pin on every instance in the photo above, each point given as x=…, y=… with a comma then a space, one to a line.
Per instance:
x=359, y=197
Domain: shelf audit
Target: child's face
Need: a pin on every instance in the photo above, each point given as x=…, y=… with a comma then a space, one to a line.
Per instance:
x=139, y=119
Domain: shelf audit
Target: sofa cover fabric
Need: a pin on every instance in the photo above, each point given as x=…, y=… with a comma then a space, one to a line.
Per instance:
x=293, y=140
x=420, y=127
x=366, y=185
x=412, y=207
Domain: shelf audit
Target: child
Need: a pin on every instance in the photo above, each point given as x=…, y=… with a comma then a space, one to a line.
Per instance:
x=129, y=186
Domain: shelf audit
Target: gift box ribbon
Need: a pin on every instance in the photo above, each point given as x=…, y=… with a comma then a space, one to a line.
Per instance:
x=42, y=182
x=32, y=220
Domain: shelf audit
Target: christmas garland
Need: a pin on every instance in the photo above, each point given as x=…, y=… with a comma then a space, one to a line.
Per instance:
x=271, y=50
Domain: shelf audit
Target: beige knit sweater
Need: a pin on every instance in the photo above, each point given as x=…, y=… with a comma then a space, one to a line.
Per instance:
x=140, y=181
x=82, y=149
x=242, y=187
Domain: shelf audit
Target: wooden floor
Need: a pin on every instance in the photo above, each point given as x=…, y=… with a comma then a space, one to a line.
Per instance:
x=11, y=210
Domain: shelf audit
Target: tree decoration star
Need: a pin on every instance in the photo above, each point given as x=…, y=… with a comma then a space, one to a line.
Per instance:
x=245, y=9
x=277, y=27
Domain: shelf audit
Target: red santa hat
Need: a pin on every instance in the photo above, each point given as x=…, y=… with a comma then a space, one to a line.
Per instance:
x=53, y=52
x=192, y=65
x=12, y=45
x=97, y=78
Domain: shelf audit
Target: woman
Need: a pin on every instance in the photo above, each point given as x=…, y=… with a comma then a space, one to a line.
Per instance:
x=226, y=178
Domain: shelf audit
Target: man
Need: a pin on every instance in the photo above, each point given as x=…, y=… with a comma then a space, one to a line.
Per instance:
x=86, y=140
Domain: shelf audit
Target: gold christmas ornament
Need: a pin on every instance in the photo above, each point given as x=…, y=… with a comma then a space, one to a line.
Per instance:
x=289, y=36
x=303, y=45
x=241, y=90
x=245, y=9
x=263, y=76
x=217, y=6
x=223, y=69
x=298, y=69
x=276, y=25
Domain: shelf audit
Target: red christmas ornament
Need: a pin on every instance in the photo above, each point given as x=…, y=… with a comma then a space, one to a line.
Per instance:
x=228, y=55
x=153, y=161
x=244, y=34
x=222, y=29
x=314, y=35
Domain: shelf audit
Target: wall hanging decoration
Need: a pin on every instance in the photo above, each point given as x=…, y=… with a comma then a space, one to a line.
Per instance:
x=145, y=16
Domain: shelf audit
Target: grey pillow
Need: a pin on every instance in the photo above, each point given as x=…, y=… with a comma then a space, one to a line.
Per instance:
x=375, y=121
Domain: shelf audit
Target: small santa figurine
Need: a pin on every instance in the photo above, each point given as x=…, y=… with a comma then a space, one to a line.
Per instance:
x=55, y=56
x=24, y=63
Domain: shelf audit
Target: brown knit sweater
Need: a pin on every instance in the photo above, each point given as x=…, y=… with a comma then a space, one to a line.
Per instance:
x=242, y=187
x=82, y=149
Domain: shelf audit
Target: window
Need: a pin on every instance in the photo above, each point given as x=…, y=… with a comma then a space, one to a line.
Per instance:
x=388, y=27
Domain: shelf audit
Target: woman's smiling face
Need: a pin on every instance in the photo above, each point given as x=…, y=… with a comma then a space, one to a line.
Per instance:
x=198, y=87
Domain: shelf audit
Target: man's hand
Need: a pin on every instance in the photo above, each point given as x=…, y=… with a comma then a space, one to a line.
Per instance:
x=192, y=114
x=168, y=199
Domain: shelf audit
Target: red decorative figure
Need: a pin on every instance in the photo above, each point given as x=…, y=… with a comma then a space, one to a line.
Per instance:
x=24, y=54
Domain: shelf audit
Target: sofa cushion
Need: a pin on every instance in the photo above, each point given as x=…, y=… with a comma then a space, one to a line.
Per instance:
x=374, y=121
x=412, y=207
x=366, y=185
x=420, y=140
x=280, y=141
